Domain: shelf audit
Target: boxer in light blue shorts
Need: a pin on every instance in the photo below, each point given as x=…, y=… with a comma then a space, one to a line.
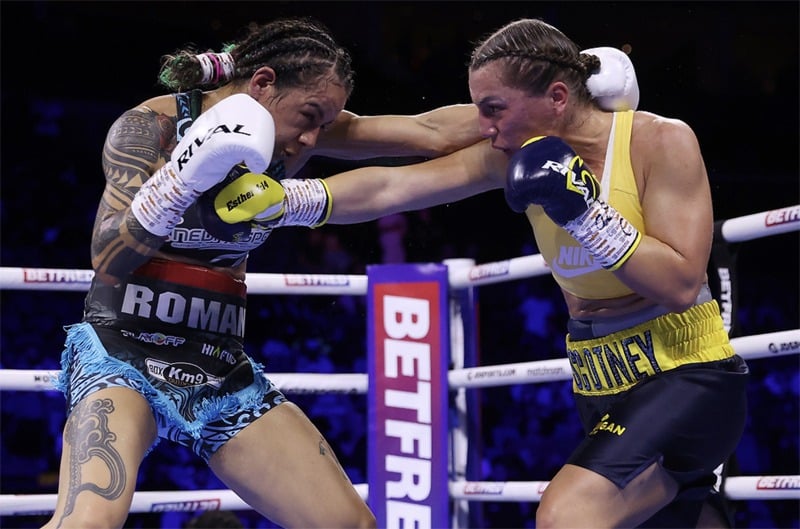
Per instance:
x=201, y=385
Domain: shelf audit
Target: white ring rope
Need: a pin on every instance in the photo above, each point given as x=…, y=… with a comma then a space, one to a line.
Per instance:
x=745, y=228
x=736, y=488
x=749, y=347
x=42, y=380
x=15, y=278
x=761, y=224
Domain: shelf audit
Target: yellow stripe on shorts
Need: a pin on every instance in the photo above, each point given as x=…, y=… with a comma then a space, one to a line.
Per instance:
x=618, y=361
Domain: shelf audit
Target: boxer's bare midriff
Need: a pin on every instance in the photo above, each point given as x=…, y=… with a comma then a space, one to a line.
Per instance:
x=593, y=309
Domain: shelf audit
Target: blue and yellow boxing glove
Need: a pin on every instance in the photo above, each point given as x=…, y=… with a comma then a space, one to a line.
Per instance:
x=547, y=172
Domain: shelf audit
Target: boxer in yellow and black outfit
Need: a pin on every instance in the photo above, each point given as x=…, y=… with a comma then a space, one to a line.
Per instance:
x=652, y=385
x=633, y=371
x=660, y=391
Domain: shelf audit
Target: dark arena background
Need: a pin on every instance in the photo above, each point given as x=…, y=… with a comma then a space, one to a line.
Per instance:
x=729, y=69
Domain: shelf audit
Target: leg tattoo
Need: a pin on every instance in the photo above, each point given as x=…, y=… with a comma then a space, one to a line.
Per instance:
x=325, y=449
x=88, y=436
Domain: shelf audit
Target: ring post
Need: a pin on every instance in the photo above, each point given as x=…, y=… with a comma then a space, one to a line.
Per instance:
x=465, y=427
x=408, y=356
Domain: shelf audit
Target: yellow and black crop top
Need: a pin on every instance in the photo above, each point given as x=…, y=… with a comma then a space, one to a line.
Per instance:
x=573, y=268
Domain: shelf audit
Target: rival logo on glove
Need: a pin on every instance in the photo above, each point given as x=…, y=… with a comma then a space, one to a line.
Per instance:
x=584, y=184
x=186, y=155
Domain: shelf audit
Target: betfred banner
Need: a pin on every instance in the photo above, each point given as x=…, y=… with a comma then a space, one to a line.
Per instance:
x=408, y=334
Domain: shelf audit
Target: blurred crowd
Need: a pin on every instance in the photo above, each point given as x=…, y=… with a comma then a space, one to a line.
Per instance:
x=51, y=182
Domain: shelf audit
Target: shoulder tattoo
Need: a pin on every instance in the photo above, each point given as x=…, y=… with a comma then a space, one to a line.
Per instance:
x=137, y=142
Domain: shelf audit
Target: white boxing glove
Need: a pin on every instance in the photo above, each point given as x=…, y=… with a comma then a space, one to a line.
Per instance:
x=236, y=130
x=614, y=87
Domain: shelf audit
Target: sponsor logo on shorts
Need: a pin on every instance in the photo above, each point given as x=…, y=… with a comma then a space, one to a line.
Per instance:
x=181, y=374
x=604, y=425
x=190, y=311
x=218, y=352
x=155, y=338
x=616, y=364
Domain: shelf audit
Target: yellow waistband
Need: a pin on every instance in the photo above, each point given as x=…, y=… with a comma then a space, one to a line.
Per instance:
x=618, y=361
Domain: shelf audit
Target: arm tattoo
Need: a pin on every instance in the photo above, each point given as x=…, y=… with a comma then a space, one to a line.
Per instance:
x=88, y=437
x=135, y=144
x=138, y=142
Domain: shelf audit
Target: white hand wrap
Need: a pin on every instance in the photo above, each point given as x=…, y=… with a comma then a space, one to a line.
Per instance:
x=161, y=201
x=606, y=234
x=614, y=87
x=308, y=203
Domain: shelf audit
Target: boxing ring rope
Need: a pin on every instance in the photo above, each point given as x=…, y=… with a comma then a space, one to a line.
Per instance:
x=748, y=347
x=740, y=229
x=736, y=488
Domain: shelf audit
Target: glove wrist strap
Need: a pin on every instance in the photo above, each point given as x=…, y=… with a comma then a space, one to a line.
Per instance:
x=606, y=234
x=308, y=202
x=161, y=201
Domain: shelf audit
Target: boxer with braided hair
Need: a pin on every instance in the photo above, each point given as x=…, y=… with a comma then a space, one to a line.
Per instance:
x=297, y=56
x=620, y=207
x=292, y=49
x=159, y=352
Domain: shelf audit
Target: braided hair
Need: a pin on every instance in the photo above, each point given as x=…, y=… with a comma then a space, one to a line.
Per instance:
x=535, y=55
x=300, y=50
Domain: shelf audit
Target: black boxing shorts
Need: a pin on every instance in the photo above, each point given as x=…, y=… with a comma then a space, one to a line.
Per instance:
x=674, y=394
